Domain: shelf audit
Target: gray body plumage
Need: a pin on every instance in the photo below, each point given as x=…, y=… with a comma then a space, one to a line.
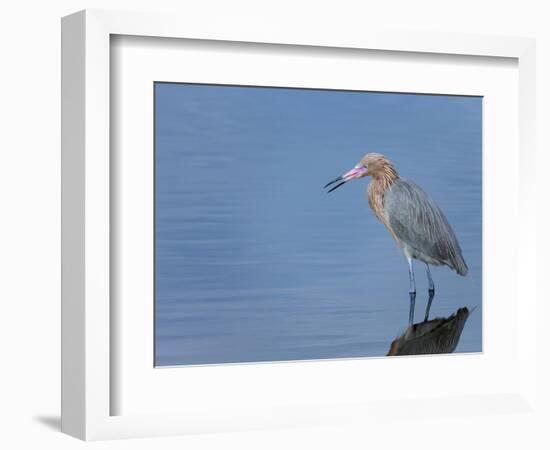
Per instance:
x=421, y=228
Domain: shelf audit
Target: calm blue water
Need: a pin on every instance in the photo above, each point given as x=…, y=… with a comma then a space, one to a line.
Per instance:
x=255, y=262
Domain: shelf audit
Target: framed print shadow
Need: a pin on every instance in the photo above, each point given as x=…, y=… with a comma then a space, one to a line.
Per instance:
x=254, y=262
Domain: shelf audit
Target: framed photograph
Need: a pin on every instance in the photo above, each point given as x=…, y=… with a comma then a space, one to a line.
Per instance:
x=267, y=228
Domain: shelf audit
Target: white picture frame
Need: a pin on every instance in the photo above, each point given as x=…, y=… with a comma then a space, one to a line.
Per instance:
x=88, y=386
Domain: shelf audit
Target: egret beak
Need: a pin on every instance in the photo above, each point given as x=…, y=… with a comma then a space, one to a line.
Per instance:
x=356, y=172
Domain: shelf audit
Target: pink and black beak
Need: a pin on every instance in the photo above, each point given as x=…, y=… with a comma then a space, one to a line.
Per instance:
x=356, y=172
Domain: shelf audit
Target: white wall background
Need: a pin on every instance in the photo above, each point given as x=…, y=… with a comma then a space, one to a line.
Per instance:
x=30, y=198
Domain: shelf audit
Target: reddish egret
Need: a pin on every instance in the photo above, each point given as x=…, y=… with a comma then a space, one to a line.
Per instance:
x=412, y=218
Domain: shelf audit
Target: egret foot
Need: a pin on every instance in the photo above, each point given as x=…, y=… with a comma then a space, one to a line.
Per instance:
x=431, y=294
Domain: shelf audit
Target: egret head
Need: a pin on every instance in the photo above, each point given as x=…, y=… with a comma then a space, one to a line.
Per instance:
x=372, y=164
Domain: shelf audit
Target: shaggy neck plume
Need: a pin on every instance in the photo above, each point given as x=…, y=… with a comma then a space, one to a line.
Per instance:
x=383, y=176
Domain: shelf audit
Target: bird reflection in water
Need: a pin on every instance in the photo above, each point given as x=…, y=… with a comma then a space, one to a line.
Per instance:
x=439, y=335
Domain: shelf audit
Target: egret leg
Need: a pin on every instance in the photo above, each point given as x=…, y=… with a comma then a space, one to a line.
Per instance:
x=412, y=290
x=431, y=292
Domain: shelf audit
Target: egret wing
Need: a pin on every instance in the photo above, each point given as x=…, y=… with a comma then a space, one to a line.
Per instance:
x=420, y=224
